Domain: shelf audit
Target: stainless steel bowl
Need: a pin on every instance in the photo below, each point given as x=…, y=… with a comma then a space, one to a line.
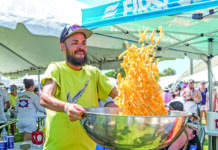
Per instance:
x=109, y=129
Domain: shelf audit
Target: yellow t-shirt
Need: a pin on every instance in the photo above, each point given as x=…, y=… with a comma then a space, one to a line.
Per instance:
x=12, y=99
x=61, y=133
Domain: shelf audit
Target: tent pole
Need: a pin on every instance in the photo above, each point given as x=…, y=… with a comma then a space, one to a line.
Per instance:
x=39, y=71
x=191, y=66
x=210, y=81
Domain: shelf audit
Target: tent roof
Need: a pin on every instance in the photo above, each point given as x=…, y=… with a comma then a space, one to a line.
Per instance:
x=203, y=75
x=29, y=36
x=183, y=34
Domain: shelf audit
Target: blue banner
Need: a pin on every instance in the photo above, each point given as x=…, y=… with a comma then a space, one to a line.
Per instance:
x=132, y=10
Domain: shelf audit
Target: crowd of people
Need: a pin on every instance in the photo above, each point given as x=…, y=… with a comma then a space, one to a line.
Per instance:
x=195, y=100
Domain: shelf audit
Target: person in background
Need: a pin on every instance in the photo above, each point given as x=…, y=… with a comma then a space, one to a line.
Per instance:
x=36, y=91
x=184, y=86
x=202, y=103
x=27, y=106
x=4, y=101
x=167, y=95
x=177, y=91
x=190, y=93
x=215, y=101
x=189, y=137
x=13, y=97
x=192, y=98
x=21, y=90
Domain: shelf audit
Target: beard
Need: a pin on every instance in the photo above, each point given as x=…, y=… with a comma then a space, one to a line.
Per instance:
x=74, y=60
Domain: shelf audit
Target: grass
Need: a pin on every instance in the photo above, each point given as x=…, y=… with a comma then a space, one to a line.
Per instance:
x=205, y=147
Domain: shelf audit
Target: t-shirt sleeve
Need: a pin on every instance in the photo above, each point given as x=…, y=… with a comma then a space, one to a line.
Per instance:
x=103, y=85
x=52, y=73
x=37, y=104
x=6, y=97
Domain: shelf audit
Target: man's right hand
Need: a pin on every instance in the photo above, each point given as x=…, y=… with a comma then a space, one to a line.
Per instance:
x=75, y=112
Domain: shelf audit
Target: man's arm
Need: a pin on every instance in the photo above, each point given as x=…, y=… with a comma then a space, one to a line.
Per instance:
x=113, y=93
x=48, y=100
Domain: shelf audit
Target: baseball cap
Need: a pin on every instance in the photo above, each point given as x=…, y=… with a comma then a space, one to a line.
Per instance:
x=184, y=86
x=69, y=30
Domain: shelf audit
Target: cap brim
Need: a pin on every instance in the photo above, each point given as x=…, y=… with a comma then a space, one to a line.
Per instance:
x=85, y=31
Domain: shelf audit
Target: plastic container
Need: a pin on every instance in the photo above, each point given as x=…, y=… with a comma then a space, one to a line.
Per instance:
x=4, y=134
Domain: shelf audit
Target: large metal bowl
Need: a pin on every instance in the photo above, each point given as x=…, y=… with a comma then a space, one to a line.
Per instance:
x=109, y=129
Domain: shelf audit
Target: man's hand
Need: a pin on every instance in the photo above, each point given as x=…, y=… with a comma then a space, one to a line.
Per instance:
x=75, y=112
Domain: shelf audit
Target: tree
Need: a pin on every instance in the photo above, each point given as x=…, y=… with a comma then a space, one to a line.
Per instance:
x=169, y=72
x=114, y=73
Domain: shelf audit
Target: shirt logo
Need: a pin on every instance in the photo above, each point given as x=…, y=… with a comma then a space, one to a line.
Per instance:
x=23, y=103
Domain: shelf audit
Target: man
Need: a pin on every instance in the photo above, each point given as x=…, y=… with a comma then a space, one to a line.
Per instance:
x=62, y=81
x=4, y=100
x=192, y=94
x=192, y=98
x=13, y=97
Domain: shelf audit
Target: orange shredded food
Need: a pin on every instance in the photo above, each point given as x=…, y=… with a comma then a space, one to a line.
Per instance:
x=139, y=92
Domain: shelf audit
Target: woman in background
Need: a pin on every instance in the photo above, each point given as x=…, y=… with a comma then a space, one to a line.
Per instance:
x=27, y=106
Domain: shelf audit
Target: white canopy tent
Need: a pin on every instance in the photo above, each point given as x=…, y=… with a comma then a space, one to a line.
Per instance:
x=167, y=80
x=29, y=36
x=203, y=75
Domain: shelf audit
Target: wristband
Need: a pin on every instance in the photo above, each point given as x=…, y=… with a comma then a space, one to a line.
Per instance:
x=65, y=107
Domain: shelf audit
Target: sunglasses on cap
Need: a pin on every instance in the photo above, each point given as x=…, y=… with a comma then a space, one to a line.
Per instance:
x=66, y=31
x=12, y=88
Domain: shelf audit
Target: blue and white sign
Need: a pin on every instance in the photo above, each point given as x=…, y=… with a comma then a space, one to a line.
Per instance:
x=133, y=10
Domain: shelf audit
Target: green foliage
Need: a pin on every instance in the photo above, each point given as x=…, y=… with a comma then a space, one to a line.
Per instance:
x=168, y=72
x=114, y=73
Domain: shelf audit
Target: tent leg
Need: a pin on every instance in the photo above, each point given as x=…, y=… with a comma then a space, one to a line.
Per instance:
x=191, y=66
x=39, y=71
x=210, y=81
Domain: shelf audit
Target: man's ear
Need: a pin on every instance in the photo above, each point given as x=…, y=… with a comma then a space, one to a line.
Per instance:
x=62, y=46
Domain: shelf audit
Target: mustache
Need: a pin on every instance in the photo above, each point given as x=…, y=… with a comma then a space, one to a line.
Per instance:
x=80, y=50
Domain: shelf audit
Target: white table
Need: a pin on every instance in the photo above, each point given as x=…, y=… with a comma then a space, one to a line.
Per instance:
x=212, y=133
x=33, y=147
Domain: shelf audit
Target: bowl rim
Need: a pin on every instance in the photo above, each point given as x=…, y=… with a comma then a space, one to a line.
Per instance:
x=116, y=115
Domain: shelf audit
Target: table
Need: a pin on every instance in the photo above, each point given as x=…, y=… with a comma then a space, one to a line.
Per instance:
x=9, y=122
x=212, y=133
x=33, y=146
x=41, y=119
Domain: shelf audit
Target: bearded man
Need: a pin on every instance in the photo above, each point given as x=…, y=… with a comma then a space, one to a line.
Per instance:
x=61, y=82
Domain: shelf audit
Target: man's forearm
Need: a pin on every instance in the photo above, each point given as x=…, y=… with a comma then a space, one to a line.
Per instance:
x=113, y=93
x=52, y=103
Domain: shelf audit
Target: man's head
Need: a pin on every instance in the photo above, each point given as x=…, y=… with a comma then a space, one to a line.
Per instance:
x=13, y=89
x=73, y=43
x=191, y=83
x=176, y=105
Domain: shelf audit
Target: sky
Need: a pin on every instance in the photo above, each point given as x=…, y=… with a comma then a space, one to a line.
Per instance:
x=180, y=65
